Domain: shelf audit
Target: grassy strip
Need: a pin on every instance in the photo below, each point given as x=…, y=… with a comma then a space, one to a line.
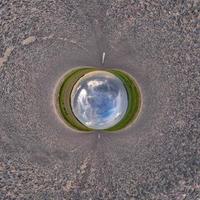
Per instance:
x=64, y=98
x=134, y=100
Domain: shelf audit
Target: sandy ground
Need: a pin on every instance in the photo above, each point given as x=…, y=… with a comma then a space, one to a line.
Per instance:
x=158, y=158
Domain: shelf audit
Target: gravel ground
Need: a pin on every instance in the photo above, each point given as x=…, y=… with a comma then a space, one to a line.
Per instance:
x=158, y=157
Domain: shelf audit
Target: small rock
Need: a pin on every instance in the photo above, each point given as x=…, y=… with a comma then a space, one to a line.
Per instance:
x=29, y=40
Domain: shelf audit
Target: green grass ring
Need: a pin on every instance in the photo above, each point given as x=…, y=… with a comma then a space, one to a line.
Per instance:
x=63, y=98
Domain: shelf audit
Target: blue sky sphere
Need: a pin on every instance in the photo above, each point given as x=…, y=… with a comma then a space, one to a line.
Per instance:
x=99, y=100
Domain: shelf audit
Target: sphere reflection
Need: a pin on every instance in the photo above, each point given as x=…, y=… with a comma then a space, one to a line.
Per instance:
x=99, y=100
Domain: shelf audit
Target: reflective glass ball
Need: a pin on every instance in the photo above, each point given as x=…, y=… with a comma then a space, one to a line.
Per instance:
x=99, y=100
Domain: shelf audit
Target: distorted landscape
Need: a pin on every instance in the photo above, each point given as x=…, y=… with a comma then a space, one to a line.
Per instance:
x=131, y=131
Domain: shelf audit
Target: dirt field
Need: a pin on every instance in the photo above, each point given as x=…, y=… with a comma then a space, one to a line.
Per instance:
x=158, y=157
